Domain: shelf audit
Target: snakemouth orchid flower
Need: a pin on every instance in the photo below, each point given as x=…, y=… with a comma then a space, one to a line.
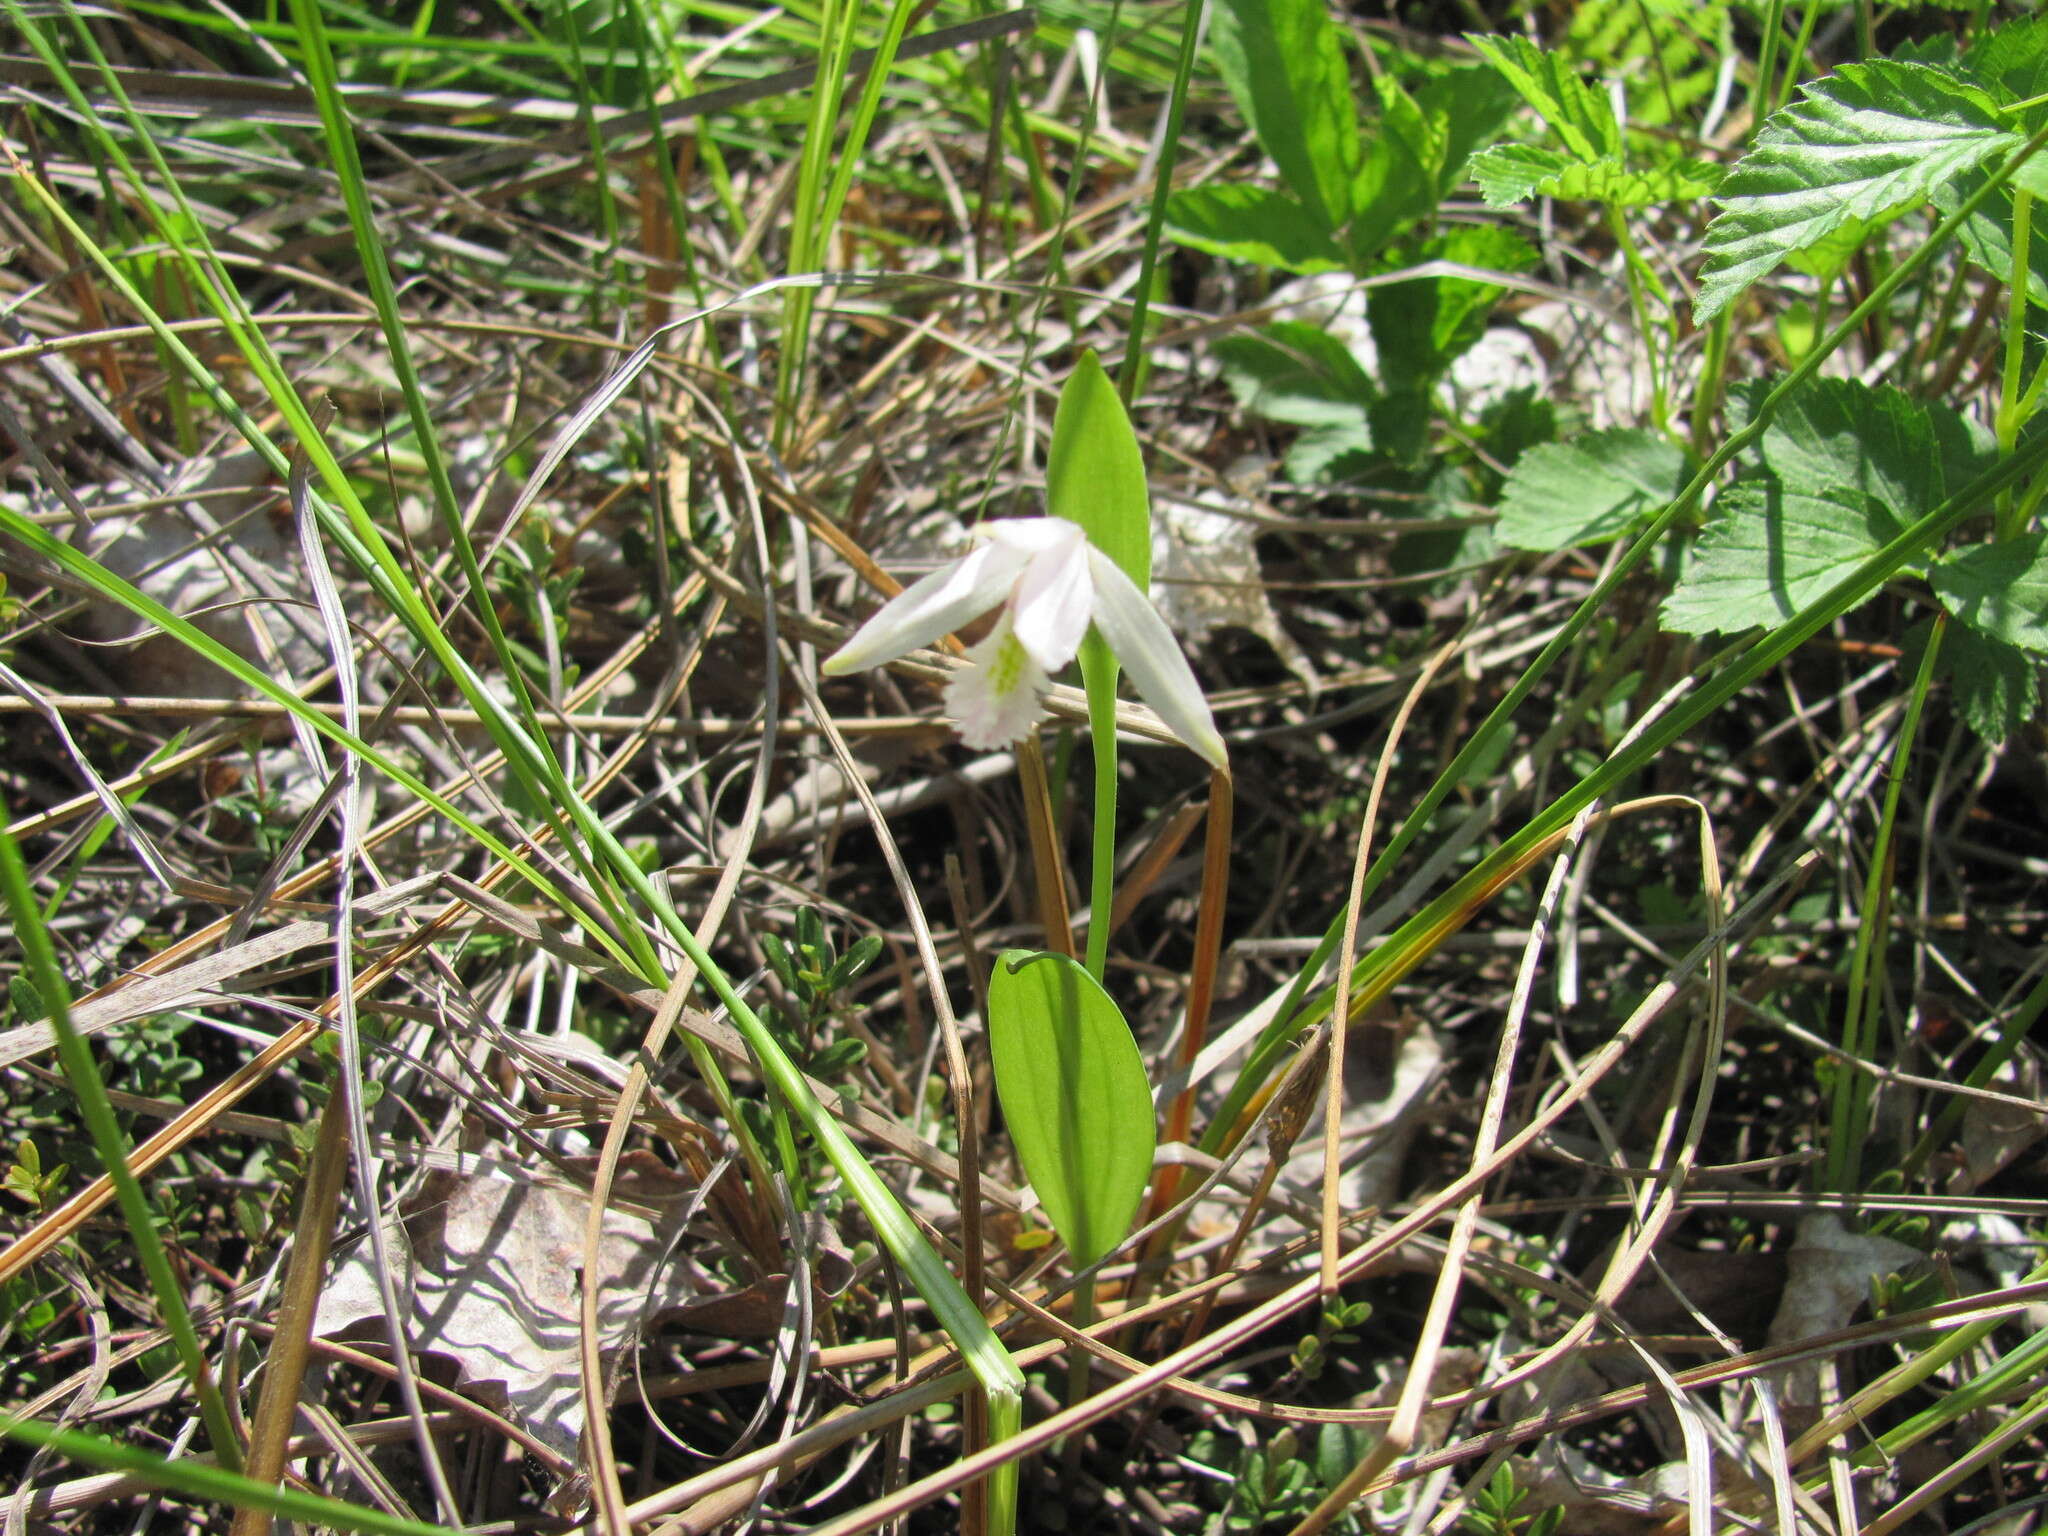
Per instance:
x=1051, y=584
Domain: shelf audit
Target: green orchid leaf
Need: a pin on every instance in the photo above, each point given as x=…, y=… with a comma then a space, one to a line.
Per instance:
x=1095, y=475
x=1075, y=1097
x=1865, y=143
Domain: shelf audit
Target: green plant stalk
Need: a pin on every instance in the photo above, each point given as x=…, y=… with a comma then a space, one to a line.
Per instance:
x=1795, y=62
x=1273, y=1043
x=1642, y=282
x=535, y=768
x=1767, y=60
x=807, y=234
x=566, y=15
x=2011, y=1034
x=198, y=1480
x=1849, y=1119
x=1706, y=400
x=40, y=962
x=1162, y=190
x=1099, y=673
x=2011, y=408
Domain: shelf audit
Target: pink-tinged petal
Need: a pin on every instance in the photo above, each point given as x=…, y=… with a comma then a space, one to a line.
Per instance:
x=1000, y=695
x=1052, y=604
x=932, y=606
x=1132, y=628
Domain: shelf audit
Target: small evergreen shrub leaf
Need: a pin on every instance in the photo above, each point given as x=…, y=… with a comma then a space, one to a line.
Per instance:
x=2000, y=590
x=1286, y=68
x=1769, y=551
x=1550, y=83
x=1865, y=142
x=1074, y=1095
x=1255, y=225
x=1587, y=491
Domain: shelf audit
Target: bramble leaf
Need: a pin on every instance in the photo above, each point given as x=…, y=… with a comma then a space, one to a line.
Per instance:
x=1999, y=589
x=1865, y=142
x=1511, y=173
x=1580, y=116
x=1769, y=551
x=1991, y=682
x=1585, y=492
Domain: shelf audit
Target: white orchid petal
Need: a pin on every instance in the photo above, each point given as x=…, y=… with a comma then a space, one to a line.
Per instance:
x=1146, y=647
x=1000, y=695
x=932, y=606
x=1031, y=535
x=1054, y=601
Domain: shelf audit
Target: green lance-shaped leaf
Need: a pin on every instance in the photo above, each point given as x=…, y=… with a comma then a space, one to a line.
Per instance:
x=1075, y=1096
x=1095, y=475
x=1285, y=64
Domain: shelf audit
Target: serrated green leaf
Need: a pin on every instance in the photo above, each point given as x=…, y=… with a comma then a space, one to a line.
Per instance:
x=2011, y=62
x=1473, y=102
x=1839, y=434
x=1074, y=1096
x=1508, y=174
x=1864, y=143
x=1767, y=553
x=1580, y=116
x=1095, y=473
x=1297, y=373
x=1512, y=173
x=1992, y=683
x=1285, y=65
x=1561, y=495
x=1986, y=236
x=1255, y=225
x=2000, y=590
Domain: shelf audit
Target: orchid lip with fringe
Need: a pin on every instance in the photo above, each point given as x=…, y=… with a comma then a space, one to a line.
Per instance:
x=1051, y=584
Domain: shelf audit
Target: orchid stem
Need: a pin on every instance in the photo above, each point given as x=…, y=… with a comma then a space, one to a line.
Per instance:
x=1098, y=674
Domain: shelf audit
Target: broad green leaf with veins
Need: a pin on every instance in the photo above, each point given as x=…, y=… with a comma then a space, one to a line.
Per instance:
x=1586, y=492
x=1285, y=64
x=1255, y=224
x=2000, y=589
x=1867, y=141
x=1768, y=553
